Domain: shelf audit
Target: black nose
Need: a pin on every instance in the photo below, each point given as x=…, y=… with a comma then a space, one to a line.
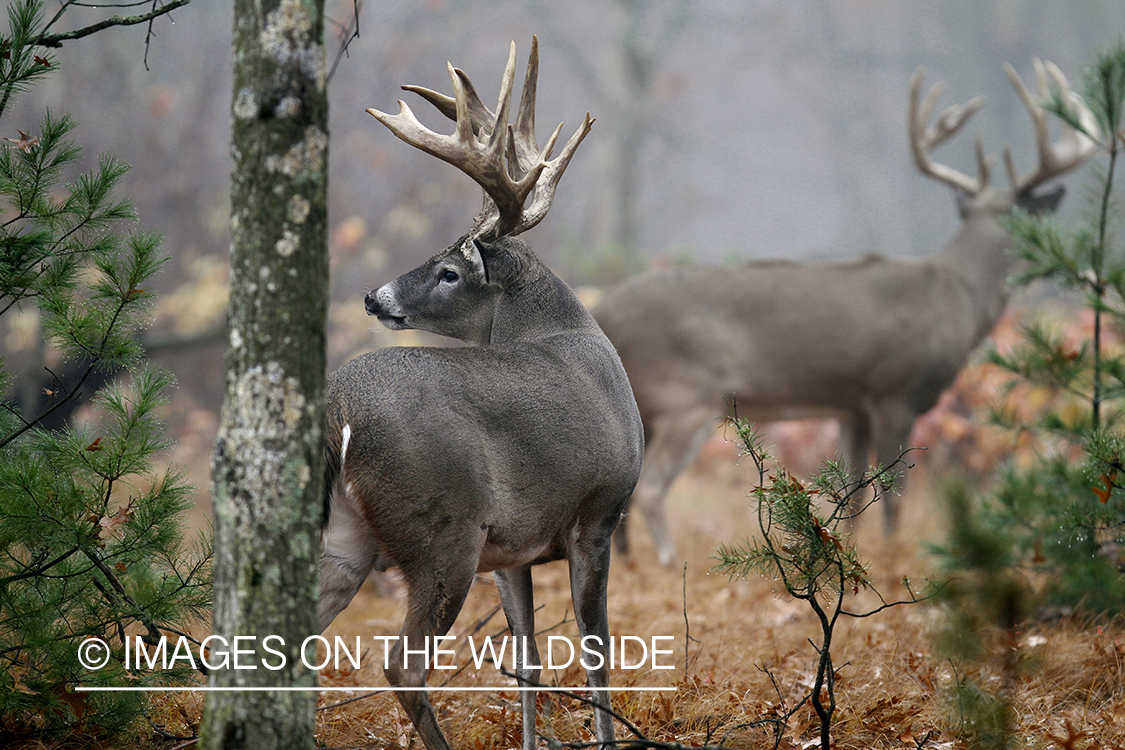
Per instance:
x=371, y=303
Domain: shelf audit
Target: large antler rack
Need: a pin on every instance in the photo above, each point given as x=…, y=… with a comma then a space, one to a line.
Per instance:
x=1055, y=158
x=502, y=158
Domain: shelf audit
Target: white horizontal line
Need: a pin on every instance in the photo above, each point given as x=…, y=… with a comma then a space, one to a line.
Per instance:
x=381, y=689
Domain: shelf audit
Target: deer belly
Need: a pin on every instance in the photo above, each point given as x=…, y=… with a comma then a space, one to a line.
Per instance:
x=499, y=556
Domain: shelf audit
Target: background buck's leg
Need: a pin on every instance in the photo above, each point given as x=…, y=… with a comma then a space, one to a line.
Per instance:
x=893, y=425
x=855, y=450
x=435, y=595
x=514, y=586
x=674, y=441
x=589, y=575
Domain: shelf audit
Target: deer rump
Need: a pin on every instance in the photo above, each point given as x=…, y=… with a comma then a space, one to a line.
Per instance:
x=478, y=452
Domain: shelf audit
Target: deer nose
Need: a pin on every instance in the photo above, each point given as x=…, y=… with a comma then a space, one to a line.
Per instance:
x=371, y=302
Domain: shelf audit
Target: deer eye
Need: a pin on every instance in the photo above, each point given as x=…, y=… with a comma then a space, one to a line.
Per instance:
x=449, y=276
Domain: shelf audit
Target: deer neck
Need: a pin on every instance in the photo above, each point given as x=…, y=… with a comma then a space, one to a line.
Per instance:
x=536, y=305
x=980, y=257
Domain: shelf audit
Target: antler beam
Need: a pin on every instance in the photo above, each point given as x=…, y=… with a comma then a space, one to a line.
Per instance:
x=503, y=159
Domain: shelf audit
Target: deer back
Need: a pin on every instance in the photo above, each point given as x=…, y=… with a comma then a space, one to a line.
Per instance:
x=788, y=339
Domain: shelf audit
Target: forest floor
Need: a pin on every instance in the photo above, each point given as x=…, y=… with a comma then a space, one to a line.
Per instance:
x=742, y=652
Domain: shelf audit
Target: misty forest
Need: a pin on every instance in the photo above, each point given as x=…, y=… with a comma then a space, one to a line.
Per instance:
x=878, y=356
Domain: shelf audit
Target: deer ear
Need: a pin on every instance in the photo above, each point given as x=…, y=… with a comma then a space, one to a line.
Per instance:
x=501, y=266
x=1044, y=202
x=470, y=251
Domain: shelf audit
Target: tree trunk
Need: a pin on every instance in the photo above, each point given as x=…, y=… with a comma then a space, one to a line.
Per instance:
x=268, y=464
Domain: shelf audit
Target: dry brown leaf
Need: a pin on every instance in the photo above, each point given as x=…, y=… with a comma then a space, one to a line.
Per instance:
x=111, y=525
x=25, y=142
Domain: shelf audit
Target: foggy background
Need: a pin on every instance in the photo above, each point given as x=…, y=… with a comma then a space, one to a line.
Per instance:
x=724, y=131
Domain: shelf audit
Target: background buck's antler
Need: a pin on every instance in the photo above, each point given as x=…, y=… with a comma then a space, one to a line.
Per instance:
x=503, y=159
x=924, y=138
x=1071, y=148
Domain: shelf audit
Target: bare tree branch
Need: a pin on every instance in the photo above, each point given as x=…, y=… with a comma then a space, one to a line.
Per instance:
x=347, y=33
x=56, y=40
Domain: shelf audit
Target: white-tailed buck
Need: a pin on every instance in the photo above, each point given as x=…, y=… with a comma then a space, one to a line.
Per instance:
x=519, y=449
x=871, y=342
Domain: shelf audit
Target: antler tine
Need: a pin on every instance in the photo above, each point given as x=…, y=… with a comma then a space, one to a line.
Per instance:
x=451, y=148
x=523, y=132
x=407, y=127
x=924, y=138
x=551, y=174
x=482, y=116
x=504, y=105
x=483, y=119
x=527, y=153
x=1072, y=147
x=984, y=163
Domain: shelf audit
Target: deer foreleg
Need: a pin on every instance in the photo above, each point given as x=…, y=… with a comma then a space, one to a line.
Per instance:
x=435, y=595
x=893, y=425
x=855, y=450
x=855, y=446
x=514, y=586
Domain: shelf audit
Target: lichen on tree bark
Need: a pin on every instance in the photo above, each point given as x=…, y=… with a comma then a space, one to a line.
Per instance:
x=269, y=457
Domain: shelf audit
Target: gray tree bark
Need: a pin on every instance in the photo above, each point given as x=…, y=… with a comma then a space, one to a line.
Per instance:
x=268, y=465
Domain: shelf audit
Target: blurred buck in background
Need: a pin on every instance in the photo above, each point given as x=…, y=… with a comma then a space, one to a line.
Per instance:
x=520, y=449
x=872, y=342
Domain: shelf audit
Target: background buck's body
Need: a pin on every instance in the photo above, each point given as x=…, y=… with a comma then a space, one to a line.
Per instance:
x=871, y=342
x=869, y=354
x=520, y=449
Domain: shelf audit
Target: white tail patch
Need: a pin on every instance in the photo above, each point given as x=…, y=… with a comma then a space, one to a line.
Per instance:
x=342, y=481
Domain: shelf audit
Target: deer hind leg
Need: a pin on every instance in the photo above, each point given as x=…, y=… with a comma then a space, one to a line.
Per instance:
x=674, y=441
x=437, y=585
x=514, y=586
x=347, y=555
x=589, y=576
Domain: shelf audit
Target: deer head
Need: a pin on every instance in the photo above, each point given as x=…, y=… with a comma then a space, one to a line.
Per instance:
x=1055, y=158
x=458, y=291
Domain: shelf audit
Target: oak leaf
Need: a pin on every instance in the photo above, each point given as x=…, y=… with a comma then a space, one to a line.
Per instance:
x=110, y=525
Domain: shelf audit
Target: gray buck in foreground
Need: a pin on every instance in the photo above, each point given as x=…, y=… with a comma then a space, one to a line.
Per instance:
x=872, y=342
x=520, y=449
